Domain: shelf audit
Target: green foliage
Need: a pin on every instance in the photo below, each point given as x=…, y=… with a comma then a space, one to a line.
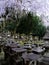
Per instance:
x=31, y=24
x=25, y=25
x=36, y=21
x=40, y=31
x=11, y=26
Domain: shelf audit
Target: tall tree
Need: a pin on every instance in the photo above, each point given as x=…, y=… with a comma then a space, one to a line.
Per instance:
x=31, y=24
x=11, y=20
x=25, y=25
